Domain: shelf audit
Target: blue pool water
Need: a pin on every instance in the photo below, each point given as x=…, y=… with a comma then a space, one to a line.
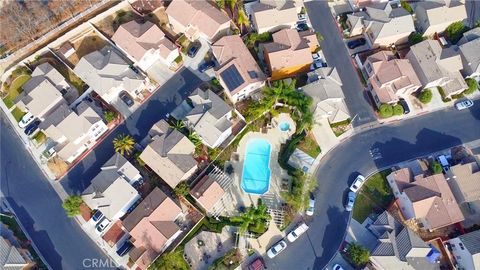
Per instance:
x=284, y=126
x=256, y=171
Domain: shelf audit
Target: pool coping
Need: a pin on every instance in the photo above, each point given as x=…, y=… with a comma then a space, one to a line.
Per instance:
x=248, y=141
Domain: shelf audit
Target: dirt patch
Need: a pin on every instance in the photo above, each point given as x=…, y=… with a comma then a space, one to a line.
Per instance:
x=89, y=43
x=57, y=166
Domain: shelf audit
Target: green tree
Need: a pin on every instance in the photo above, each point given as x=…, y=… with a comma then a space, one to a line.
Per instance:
x=110, y=116
x=139, y=159
x=220, y=4
x=171, y=260
x=123, y=144
x=254, y=219
x=194, y=138
x=178, y=125
x=472, y=86
x=182, y=189
x=455, y=31
x=358, y=255
x=406, y=6
x=435, y=167
x=242, y=19
x=232, y=4
x=72, y=205
x=415, y=38
x=385, y=110
x=397, y=109
x=425, y=96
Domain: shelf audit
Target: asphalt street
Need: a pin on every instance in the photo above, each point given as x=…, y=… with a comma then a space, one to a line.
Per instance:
x=392, y=144
x=337, y=56
x=60, y=239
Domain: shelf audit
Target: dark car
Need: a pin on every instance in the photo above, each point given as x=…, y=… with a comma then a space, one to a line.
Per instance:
x=206, y=65
x=135, y=69
x=257, y=264
x=31, y=128
x=126, y=247
x=302, y=27
x=194, y=48
x=125, y=97
x=356, y=43
x=97, y=215
x=404, y=105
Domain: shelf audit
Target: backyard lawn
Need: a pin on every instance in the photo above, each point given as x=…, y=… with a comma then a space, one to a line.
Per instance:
x=374, y=197
x=15, y=89
x=309, y=146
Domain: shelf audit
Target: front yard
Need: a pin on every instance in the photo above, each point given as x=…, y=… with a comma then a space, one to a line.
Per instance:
x=309, y=146
x=12, y=90
x=374, y=197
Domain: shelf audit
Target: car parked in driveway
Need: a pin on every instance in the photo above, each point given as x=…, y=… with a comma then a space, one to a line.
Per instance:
x=32, y=127
x=124, y=249
x=358, y=183
x=102, y=225
x=299, y=230
x=98, y=215
x=350, y=201
x=193, y=49
x=337, y=267
x=26, y=120
x=206, y=66
x=404, y=104
x=276, y=249
x=464, y=104
x=352, y=44
x=301, y=27
x=126, y=98
x=311, y=206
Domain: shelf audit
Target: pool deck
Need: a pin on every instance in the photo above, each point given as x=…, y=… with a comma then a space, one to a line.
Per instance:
x=236, y=195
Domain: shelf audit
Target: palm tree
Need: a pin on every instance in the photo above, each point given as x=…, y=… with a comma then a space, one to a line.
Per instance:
x=194, y=138
x=231, y=5
x=178, y=125
x=242, y=19
x=123, y=144
x=253, y=219
x=220, y=4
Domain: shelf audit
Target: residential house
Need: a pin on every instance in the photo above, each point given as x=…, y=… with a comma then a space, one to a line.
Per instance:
x=43, y=92
x=208, y=191
x=110, y=190
x=239, y=73
x=434, y=16
x=145, y=43
x=357, y=4
x=464, y=181
x=207, y=115
x=466, y=250
x=389, y=78
x=437, y=67
x=14, y=258
x=381, y=24
x=398, y=247
x=152, y=227
x=290, y=53
x=271, y=16
x=197, y=19
x=325, y=87
x=469, y=46
x=427, y=200
x=108, y=74
x=73, y=130
x=169, y=154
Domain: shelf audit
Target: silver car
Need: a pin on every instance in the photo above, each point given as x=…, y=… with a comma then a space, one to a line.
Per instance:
x=276, y=249
x=358, y=183
x=350, y=201
x=464, y=104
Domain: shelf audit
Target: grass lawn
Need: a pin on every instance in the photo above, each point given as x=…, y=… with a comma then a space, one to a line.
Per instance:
x=171, y=260
x=309, y=146
x=15, y=89
x=40, y=138
x=17, y=114
x=375, y=196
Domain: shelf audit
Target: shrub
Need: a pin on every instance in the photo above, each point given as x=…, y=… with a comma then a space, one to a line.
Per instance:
x=110, y=116
x=406, y=6
x=397, y=109
x=455, y=31
x=425, y=96
x=72, y=205
x=415, y=38
x=182, y=189
x=435, y=167
x=472, y=86
x=442, y=94
x=358, y=255
x=385, y=110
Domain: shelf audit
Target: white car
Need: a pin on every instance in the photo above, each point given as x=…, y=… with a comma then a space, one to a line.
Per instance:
x=464, y=104
x=299, y=230
x=276, y=249
x=337, y=267
x=102, y=225
x=358, y=183
x=26, y=120
x=311, y=206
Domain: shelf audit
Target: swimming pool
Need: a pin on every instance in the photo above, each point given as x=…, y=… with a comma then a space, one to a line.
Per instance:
x=256, y=171
x=284, y=126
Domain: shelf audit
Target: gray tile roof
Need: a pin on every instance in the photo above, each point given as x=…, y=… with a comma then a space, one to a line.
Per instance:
x=471, y=241
x=10, y=257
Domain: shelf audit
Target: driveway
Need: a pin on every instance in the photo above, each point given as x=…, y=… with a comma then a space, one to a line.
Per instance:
x=160, y=72
x=163, y=101
x=398, y=142
x=193, y=63
x=337, y=56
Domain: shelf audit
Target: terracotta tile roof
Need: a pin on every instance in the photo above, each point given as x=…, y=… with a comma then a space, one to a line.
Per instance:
x=402, y=177
x=114, y=234
x=433, y=201
x=207, y=192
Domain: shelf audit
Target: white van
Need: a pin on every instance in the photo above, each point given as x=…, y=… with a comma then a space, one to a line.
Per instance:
x=444, y=162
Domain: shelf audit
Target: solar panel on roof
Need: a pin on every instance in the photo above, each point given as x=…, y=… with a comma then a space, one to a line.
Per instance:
x=232, y=77
x=252, y=74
